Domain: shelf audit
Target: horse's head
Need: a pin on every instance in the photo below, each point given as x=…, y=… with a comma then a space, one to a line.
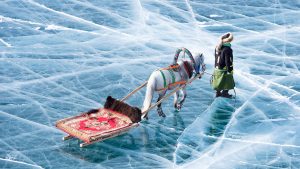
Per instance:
x=199, y=62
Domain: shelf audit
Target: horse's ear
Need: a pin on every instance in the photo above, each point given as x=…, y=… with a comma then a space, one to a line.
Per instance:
x=202, y=57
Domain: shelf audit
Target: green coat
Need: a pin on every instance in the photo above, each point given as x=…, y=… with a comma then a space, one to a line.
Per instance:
x=221, y=80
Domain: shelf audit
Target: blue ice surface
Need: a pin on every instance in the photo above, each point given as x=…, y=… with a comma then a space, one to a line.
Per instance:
x=61, y=58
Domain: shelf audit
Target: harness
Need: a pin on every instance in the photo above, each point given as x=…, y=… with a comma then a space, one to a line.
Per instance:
x=170, y=69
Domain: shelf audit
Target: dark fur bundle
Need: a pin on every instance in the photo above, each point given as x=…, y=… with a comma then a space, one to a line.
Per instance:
x=133, y=113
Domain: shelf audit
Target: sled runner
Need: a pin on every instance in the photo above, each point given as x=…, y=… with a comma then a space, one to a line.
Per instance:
x=114, y=119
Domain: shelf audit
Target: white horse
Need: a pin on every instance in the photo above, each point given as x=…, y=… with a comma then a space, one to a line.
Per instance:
x=165, y=79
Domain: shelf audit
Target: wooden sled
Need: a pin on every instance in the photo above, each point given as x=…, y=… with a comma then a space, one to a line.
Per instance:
x=105, y=123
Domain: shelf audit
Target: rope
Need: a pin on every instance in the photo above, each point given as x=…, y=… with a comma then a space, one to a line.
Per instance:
x=208, y=73
x=173, y=84
x=170, y=67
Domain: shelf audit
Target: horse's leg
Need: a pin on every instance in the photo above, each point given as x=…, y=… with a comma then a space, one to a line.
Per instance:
x=183, y=92
x=176, y=96
x=149, y=95
x=159, y=108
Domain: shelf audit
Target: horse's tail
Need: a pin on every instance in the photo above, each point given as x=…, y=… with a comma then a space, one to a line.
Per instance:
x=149, y=93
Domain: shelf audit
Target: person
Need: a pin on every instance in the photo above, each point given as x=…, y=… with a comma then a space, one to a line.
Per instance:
x=222, y=80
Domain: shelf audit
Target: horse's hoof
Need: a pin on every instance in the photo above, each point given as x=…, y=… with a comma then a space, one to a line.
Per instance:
x=161, y=113
x=178, y=106
x=146, y=118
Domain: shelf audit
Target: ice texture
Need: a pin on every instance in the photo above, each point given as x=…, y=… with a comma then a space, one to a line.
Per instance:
x=60, y=58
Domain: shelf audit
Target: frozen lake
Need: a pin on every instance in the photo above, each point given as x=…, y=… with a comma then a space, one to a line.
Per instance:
x=60, y=58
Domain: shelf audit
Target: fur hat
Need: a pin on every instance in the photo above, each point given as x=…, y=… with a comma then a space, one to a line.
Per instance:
x=227, y=37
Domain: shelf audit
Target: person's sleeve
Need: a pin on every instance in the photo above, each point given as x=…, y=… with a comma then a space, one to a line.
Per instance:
x=228, y=55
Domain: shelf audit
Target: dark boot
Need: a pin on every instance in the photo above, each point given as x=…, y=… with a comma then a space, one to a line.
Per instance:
x=225, y=94
x=218, y=93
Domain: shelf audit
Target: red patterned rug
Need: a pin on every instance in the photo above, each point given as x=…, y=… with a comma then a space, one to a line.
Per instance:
x=87, y=127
